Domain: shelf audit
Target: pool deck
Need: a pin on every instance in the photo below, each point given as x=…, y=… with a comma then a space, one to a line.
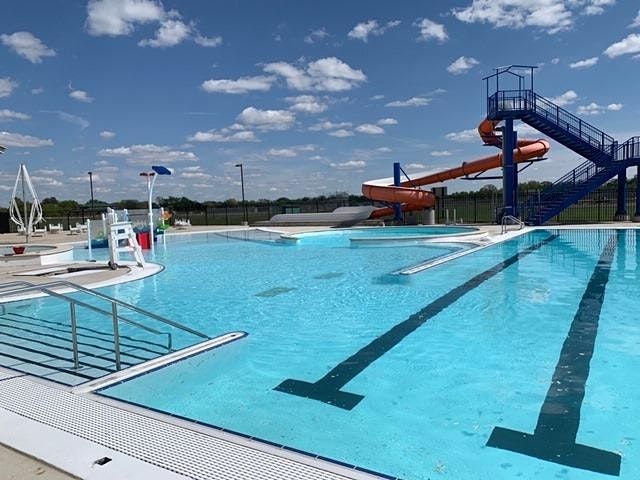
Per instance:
x=54, y=425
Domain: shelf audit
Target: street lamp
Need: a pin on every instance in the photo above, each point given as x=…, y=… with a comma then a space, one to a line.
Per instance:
x=151, y=180
x=91, y=186
x=244, y=203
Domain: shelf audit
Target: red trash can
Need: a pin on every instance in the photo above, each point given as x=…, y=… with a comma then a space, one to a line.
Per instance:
x=144, y=240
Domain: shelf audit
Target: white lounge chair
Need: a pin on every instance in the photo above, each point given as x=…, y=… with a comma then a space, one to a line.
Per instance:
x=39, y=232
x=55, y=228
x=74, y=230
x=182, y=224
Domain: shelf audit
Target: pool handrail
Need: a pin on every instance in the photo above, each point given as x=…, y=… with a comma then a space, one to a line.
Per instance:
x=23, y=286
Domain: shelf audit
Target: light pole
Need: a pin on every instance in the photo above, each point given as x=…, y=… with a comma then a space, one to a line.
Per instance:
x=151, y=180
x=91, y=186
x=244, y=203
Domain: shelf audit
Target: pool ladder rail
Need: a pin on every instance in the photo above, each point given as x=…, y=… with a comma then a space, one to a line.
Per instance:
x=55, y=289
x=510, y=220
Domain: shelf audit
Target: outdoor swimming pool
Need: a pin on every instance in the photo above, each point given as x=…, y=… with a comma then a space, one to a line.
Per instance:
x=516, y=361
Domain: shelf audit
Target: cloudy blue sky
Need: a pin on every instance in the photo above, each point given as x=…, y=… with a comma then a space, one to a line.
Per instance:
x=312, y=97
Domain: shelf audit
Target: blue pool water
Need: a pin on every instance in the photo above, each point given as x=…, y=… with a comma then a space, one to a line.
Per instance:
x=443, y=374
x=344, y=237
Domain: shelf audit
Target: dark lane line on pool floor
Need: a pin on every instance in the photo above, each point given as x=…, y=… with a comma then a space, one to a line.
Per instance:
x=328, y=388
x=554, y=438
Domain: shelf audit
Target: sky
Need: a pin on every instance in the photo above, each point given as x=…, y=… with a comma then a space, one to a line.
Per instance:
x=311, y=97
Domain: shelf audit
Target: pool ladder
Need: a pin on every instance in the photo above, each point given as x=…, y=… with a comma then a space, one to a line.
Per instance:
x=19, y=288
x=505, y=223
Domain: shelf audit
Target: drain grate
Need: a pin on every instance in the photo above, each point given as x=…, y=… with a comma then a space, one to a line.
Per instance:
x=172, y=447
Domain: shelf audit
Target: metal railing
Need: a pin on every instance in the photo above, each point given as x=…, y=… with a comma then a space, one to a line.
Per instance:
x=504, y=223
x=22, y=287
x=629, y=150
x=529, y=101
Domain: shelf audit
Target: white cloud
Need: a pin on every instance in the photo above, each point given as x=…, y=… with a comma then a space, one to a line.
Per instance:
x=341, y=133
x=148, y=153
x=69, y=118
x=462, y=65
x=377, y=97
x=383, y=149
x=9, y=139
x=350, y=165
x=316, y=35
x=595, y=109
x=107, y=134
x=430, y=30
x=37, y=91
x=586, y=63
x=636, y=22
x=470, y=135
x=7, y=86
x=441, y=153
x=627, y=46
x=567, y=98
x=327, y=74
x=266, y=119
x=282, y=152
x=194, y=172
x=259, y=83
x=555, y=60
x=415, y=166
x=10, y=115
x=387, y=121
x=210, y=42
x=225, y=135
x=51, y=172
x=81, y=96
x=410, y=102
x=171, y=33
x=326, y=125
x=28, y=46
x=370, y=129
x=119, y=17
x=371, y=27
x=551, y=16
x=306, y=104
x=596, y=7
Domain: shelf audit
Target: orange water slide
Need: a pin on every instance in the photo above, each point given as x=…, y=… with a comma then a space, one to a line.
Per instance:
x=412, y=198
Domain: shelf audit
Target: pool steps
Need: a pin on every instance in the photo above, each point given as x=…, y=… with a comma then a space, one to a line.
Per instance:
x=158, y=362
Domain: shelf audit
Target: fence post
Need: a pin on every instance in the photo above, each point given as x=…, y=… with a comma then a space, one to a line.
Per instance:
x=226, y=213
x=206, y=215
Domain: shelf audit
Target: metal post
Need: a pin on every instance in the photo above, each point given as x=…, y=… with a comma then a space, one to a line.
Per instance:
x=508, y=187
x=621, y=208
x=91, y=186
x=244, y=203
x=89, y=240
x=74, y=335
x=397, y=208
x=636, y=214
x=515, y=177
x=116, y=334
x=27, y=224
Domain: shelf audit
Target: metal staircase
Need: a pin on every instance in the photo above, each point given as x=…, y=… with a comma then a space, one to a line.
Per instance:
x=72, y=350
x=567, y=190
x=606, y=158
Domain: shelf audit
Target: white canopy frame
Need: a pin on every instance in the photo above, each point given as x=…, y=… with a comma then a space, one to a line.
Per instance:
x=24, y=222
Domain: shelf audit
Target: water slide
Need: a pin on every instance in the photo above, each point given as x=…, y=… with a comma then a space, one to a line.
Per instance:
x=412, y=198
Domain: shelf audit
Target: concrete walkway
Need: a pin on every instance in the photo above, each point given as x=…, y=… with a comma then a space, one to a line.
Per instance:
x=17, y=466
